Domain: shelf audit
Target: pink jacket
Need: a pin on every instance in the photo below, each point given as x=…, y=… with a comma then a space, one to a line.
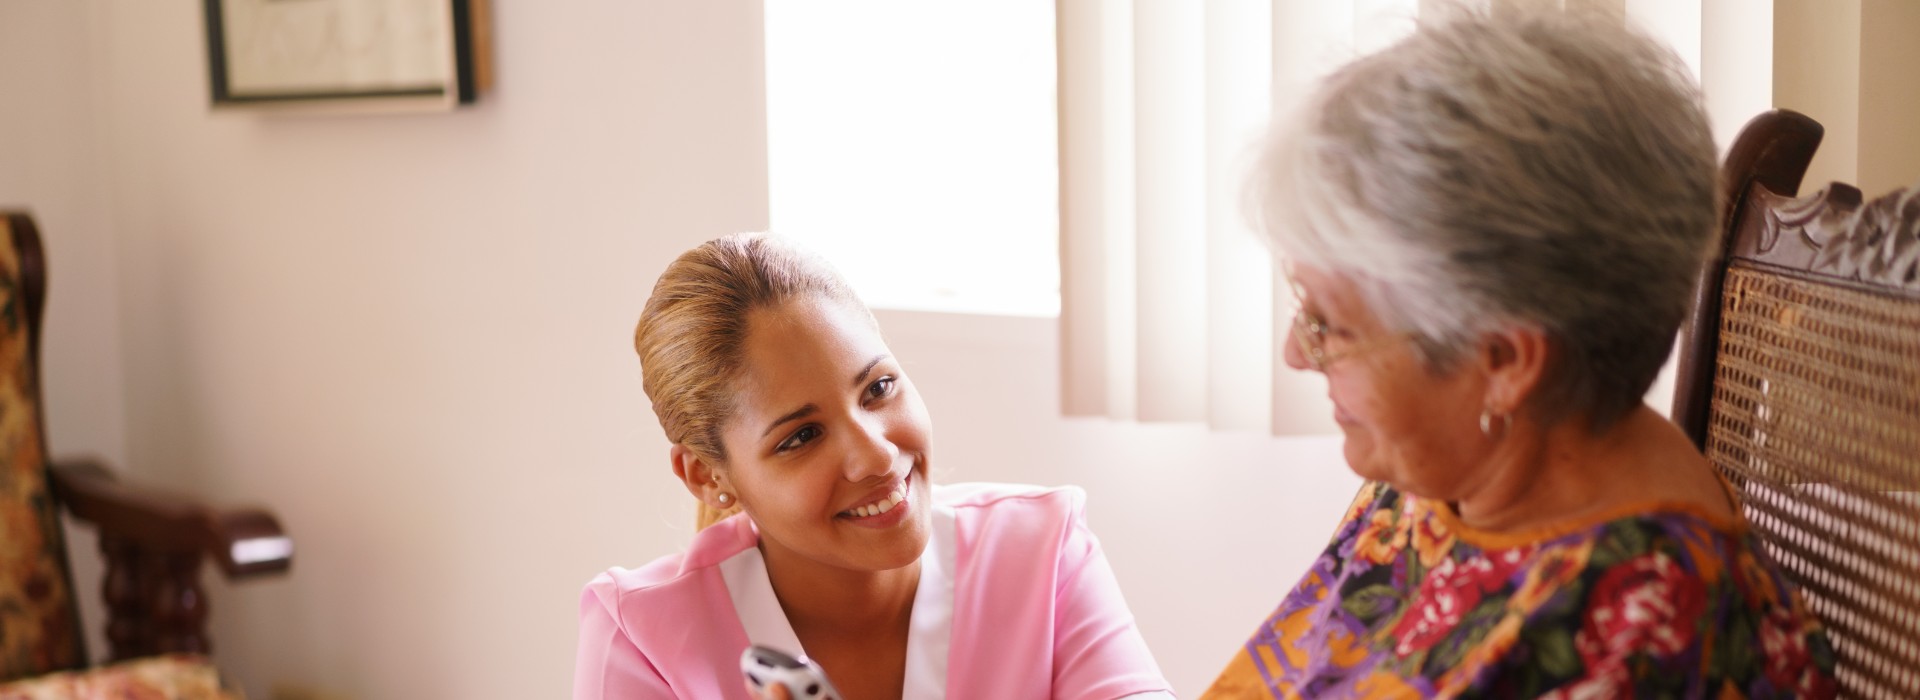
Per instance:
x=1014, y=589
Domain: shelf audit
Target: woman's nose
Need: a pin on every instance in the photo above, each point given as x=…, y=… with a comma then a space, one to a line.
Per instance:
x=1295, y=356
x=872, y=454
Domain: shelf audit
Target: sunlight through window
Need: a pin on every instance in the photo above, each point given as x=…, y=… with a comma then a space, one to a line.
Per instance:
x=913, y=144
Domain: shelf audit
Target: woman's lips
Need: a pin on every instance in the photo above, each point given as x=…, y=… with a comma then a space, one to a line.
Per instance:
x=880, y=503
x=898, y=505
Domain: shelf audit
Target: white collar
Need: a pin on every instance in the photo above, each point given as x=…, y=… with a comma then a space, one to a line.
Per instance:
x=930, y=626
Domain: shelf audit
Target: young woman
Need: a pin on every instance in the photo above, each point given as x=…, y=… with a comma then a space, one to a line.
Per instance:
x=783, y=403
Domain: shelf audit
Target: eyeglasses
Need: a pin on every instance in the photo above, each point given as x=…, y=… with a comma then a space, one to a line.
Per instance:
x=1311, y=334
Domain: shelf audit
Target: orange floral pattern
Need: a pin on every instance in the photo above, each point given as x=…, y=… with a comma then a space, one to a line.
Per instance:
x=1407, y=603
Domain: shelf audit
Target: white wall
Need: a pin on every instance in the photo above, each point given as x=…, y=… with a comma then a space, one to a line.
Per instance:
x=1850, y=64
x=1889, y=96
x=1816, y=71
x=1736, y=63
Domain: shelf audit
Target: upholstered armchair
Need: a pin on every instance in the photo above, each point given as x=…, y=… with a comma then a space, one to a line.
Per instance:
x=154, y=543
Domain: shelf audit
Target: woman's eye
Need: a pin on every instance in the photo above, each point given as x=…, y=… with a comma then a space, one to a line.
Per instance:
x=1328, y=330
x=799, y=437
x=880, y=388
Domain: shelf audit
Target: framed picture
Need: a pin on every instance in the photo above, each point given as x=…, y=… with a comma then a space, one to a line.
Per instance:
x=359, y=55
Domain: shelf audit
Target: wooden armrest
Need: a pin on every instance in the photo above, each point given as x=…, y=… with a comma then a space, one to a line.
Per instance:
x=245, y=542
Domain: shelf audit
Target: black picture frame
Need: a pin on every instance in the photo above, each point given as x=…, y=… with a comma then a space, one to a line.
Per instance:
x=464, y=39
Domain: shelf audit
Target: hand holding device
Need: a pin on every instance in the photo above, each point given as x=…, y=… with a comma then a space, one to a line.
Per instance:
x=765, y=667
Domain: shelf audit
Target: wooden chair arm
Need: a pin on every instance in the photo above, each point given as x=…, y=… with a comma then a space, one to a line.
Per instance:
x=245, y=542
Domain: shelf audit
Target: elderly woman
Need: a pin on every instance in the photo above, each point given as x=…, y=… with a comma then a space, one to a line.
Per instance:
x=1492, y=229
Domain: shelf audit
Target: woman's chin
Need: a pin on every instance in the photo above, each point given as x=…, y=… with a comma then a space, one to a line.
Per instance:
x=908, y=541
x=1360, y=459
x=911, y=543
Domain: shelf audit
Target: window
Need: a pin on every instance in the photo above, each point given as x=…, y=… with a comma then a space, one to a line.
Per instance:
x=913, y=144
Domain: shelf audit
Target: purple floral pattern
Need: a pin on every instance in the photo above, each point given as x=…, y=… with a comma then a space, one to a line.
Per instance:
x=1654, y=602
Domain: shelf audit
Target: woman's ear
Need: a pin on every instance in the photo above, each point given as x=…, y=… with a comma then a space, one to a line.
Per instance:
x=699, y=475
x=1515, y=361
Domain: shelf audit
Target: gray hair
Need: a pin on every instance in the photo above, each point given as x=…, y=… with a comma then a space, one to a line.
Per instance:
x=1537, y=167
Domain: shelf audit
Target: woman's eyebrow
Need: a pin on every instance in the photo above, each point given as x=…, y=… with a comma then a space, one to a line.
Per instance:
x=861, y=378
x=808, y=409
x=804, y=411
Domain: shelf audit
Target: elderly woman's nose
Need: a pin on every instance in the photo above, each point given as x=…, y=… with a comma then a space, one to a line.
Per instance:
x=1296, y=358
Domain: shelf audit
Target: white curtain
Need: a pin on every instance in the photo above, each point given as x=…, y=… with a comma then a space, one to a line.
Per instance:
x=1170, y=310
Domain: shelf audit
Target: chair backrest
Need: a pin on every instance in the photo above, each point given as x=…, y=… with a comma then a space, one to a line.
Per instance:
x=1800, y=379
x=39, y=620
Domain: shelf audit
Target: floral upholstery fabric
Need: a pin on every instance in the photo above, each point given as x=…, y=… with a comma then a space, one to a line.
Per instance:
x=177, y=677
x=1655, y=600
x=37, y=625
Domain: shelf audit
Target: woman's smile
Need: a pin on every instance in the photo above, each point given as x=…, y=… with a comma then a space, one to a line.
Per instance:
x=883, y=509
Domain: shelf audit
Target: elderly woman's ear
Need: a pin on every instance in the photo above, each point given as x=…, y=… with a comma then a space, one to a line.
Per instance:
x=1514, y=359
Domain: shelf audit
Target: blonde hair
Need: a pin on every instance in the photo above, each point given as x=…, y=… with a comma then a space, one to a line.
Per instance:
x=692, y=333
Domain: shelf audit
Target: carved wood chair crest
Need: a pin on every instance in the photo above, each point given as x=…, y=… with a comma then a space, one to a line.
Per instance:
x=1831, y=232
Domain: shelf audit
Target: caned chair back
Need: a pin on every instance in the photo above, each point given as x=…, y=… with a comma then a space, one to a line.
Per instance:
x=1800, y=379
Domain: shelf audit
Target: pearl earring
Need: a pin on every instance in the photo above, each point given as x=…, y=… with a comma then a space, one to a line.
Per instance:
x=1487, y=417
x=725, y=499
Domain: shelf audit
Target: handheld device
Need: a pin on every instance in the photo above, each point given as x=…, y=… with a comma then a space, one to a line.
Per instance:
x=764, y=666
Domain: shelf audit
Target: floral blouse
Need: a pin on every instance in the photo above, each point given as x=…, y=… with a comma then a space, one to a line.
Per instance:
x=1655, y=600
